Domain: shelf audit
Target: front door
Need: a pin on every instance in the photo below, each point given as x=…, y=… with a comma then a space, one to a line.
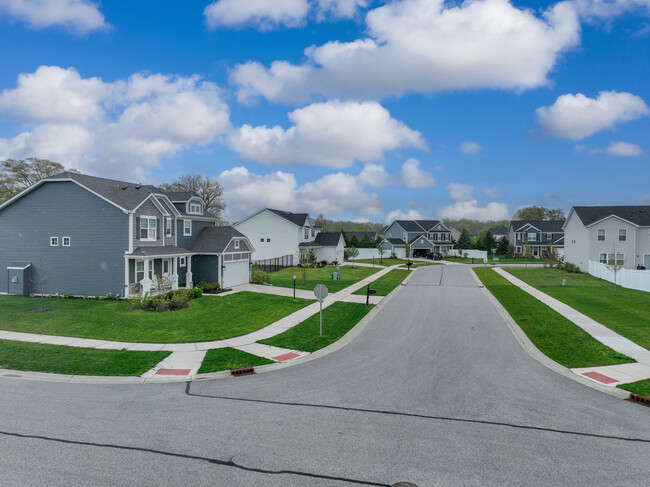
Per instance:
x=646, y=261
x=166, y=267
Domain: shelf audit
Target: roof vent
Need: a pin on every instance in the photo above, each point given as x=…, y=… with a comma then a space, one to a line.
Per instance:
x=124, y=187
x=138, y=186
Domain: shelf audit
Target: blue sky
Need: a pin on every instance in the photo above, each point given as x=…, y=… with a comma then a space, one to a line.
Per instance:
x=357, y=109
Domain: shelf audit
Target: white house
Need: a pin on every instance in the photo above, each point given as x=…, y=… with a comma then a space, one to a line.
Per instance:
x=281, y=235
x=605, y=233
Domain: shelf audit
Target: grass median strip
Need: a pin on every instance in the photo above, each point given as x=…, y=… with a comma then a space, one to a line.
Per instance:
x=554, y=335
x=338, y=319
x=230, y=359
x=207, y=318
x=627, y=312
x=642, y=387
x=59, y=359
x=386, y=283
x=321, y=275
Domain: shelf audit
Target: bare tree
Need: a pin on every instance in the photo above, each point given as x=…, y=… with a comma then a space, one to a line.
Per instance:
x=17, y=175
x=353, y=252
x=614, y=265
x=208, y=189
x=40, y=279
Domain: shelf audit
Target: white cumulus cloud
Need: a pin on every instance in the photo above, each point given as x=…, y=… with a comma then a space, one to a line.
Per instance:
x=333, y=194
x=401, y=215
x=460, y=192
x=474, y=211
x=594, y=10
x=415, y=178
x=578, y=116
x=626, y=149
x=121, y=128
x=470, y=148
x=332, y=134
x=375, y=175
x=494, y=192
x=81, y=16
x=339, y=8
x=263, y=13
x=425, y=46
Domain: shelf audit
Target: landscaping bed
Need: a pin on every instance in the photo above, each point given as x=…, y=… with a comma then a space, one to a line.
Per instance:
x=555, y=336
x=386, y=283
x=206, y=318
x=230, y=359
x=323, y=275
x=59, y=359
x=627, y=313
x=338, y=319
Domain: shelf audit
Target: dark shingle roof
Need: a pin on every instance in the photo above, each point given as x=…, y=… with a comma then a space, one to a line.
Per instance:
x=499, y=231
x=214, y=240
x=639, y=215
x=396, y=242
x=295, y=218
x=180, y=195
x=427, y=224
x=328, y=239
x=409, y=225
x=543, y=225
x=156, y=251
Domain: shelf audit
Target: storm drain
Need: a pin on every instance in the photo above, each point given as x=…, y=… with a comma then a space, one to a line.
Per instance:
x=645, y=401
x=246, y=371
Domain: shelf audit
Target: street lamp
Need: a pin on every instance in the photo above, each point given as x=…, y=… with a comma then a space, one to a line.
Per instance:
x=294, y=287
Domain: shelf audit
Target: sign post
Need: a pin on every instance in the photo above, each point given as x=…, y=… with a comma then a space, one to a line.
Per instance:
x=321, y=292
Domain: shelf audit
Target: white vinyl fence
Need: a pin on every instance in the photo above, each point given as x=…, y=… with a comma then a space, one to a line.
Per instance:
x=471, y=253
x=370, y=253
x=628, y=278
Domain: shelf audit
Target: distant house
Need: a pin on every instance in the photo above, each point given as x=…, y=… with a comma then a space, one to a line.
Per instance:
x=83, y=235
x=281, y=236
x=499, y=233
x=455, y=233
x=423, y=237
x=539, y=235
x=607, y=233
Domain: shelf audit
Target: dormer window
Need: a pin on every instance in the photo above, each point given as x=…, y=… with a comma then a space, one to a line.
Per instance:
x=236, y=244
x=195, y=208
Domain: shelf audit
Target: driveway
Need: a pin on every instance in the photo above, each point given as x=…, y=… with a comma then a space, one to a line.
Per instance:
x=435, y=391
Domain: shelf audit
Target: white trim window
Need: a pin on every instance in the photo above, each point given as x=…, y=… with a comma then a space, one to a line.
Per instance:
x=237, y=244
x=148, y=228
x=518, y=249
x=54, y=241
x=603, y=258
x=532, y=237
x=601, y=234
x=182, y=262
x=150, y=269
x=622, y=234
x=187, y=228
x=65, y=241
x=195, y=208
x=620, y=259
x=139, y=270
x=306, y=233
x=168, y=226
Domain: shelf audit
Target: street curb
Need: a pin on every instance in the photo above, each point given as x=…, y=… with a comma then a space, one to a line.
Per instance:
x=222, y=374
x=536, y=354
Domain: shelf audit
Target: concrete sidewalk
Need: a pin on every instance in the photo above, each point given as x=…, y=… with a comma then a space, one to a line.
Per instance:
x=608, y=375
x=186, y=357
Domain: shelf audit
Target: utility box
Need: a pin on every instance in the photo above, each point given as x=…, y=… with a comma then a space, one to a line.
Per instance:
x=20, y=278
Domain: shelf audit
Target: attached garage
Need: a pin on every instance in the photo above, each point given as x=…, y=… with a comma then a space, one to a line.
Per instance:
x=235, y=273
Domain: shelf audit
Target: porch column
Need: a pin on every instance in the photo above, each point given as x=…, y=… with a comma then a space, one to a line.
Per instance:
x=126, y=277
x=188, y=279
x=174, y=276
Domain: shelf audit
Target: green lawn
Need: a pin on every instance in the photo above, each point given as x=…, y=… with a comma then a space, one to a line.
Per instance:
x=627, y=313
x=386, y=283
x=58, y=359
x=503, y=259
x=229, y=359
x=555, y=336
x=338, y=319
x=207, y=318
x=322, y=275
x=642, y=387
x=387, y=262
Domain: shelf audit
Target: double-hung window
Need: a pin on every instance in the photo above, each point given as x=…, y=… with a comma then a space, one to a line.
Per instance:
x=182, y=262
x=532, y=237
x=187, y=227
x=168, y=227
x=620, y=259
x=147, y=228
x=54, y=241
x=601, y=234
x=603, y=258
x=306, y=233
x=66, y=241
x=139, y=270
x=622, y=235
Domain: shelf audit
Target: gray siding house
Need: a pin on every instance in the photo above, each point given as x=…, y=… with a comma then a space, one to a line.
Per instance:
x=539, y=235
x=607, y=233
x=424, y=237
x=82, y=235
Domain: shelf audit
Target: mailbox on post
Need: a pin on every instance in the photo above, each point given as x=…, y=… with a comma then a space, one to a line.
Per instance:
x=368, y=293
x=409, y=264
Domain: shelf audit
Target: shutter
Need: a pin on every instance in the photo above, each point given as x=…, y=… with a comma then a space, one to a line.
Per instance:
x=158, y=234
x=137, y=228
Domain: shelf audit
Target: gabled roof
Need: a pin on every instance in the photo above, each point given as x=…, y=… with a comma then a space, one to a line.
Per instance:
x=328, y=239
x=499, y=231
x=395, y=242
x=295, y=218
x=546, y=226
x=427, y=225
x=638, y=215
x=419, y=225
x=159, y=251
x=181, y=196
x=214, y=240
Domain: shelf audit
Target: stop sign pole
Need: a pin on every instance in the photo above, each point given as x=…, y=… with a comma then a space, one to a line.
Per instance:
x=321, y=292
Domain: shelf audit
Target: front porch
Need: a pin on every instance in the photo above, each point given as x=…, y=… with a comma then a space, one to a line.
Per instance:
x=157, y=270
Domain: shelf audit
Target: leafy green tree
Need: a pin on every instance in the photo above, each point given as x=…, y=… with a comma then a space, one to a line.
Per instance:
x=18, y=175
x=208, y=189
x=352, y=254
x=502, y=246
x=557, y=214
x=465, y=239
x=354, y=241
x=323, y=223
x=530, y=213
x=487, y=241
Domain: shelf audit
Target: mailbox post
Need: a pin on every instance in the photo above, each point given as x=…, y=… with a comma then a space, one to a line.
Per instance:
x=409, y=264
x=321, y=292
x=368, y=293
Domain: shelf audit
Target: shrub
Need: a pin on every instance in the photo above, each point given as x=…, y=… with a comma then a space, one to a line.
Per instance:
x=169, y=301
x=210, y=287
x=323, y=263
x=569, y=267
x=260, y=277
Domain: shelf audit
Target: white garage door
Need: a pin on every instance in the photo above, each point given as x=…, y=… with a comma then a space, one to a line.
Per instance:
x=235, y=273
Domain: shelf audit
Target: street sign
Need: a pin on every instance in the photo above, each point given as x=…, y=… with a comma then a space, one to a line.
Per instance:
x=320, y=291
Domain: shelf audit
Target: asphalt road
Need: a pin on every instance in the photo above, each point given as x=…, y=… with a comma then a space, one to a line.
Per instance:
x=435, y=391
